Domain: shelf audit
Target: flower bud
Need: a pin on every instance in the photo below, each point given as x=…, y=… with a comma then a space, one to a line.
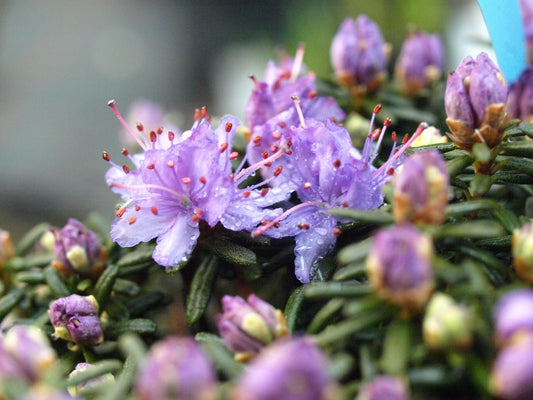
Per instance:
x=75, y=318
x=420, y=62
x=80, y=367
x=177, y=369
x=522, y=251
x=512, y=372
x=7, y=250
x=289, y=369
x=384, y=387
x=447, y=324
x=359, y=55
x=421, y=189
x=520, y=103
x=399, y=268
x=76, y=249
x=475, y=98
x=29, y=352
x=247, y=327
x=513, y=317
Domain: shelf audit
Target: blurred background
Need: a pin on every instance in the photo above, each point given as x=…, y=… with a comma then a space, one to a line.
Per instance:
x=61, y=61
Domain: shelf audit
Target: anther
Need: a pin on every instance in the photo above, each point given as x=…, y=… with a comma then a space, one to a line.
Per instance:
x=282, y=124
x=405, y=138
x=265, y=155
x=345, y=204
x=246, y=194
x=312, y=94
x=153, y=136
x=131, y=220
x=223, y=147
x=106, y=156
x=307, y=185
x=170, y=164
x=394, y=136
x=274, y=148
x=228, y=127
x=171, y=136
x=337, y=163
x=150, y=166
x=233, y=155
x=264, y=192
x=387, y=122
x=202, y=179
x=256, y=140
x=377, y=108
x=140, y=127
x=336, y=232
x=159, y=130
x=203, y=112
x=186, y=180
x=126, y=169
x=390, y=171
x=278, y=170
x=120, y=212
x=137, y=207
x=125, y=152
x=154, y=210
x=196, y=114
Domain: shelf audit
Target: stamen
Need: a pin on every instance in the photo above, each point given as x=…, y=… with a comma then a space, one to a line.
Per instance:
x=246, y=194
x=282, y=124
x=276, y=134
x=106, y=156
x=150, y=166
x=256, y=140
x=297, y=63
x=150, y=186
x=112, y=104
x=337, y=163
x=312, y=94
x=233, y=155
x=307, y=185
x=264, y=192
x=131, y=220
x=196, y=116
x=140, y=127
x=120, y=212
x=126, y=169
x=137, y=207
x=228, y=127
x=171, y=136
x=170, y=164
x=278, y=170
x=203, y=112
x=223, y=147
x=296, y=101
x=254, y=167
x=254, y=80
x=336, y=232
x=186, y=180
x=125, y=152
x=203, y=180
x=154, y=210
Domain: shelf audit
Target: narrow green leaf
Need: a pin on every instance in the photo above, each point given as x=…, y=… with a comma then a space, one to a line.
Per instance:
x=30, y=277
x=352, y=271
x=219, y=353
x=336, y=289
x=481, y=152
x=377, y=217
x=31, y=237
x=126, y=287
x=132, y=346
x=397, y=347
x=141, y=254
x=201, y=288
x=232, y=252
x=469, y=207
x=97, y=369
x=119, y=390
x=140, y=326
x=104, y=285
x=139, y=304
x=522, y=148
x=354, y=252
x=458, y=164
x=9, y=301
x=56, y=282
x=326, y=313
x=473, y=229
x=293, y=306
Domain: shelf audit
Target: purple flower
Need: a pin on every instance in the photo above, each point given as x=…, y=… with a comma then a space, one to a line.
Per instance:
x=512, y=372
x=75, y=318
x=328, y=172
x=522, y=252
x=513, y=316
x=421, y=189
x=475, y=99
x=78, y=250
x=25, y=353
x=384, y=387
x=399, y=266
x=175, y=187
x=247, y=326
x=526, y=7
x=176, y=368
x=520, y=100
x=420, y=62
x=289, y=369
x=359, y=55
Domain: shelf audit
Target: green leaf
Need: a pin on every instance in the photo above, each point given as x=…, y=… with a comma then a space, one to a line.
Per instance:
x=473, y=229
x=293, y=306
x=140, y=326
x=201, y=288
x=481, y=152
x=232, y=252
x=326, y=313
x=377, y=217
x=97, y=369
x=141, y=254
x=31, y=237
x=397, y=347
x=354, y=252
x=521, y=148
x=104, y=285
x=9, y=301
x=336, y=289
x=458, y=164
x=56, y=282
x=480, y=184
x=219, y=353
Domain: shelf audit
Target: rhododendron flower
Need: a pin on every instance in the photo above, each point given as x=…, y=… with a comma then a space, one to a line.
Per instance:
x=328, y=172
x=180, y=181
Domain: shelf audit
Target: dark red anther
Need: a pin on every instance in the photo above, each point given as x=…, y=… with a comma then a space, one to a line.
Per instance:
x=126, y=169
x=278, y=170
x=268, y=164
x=336, y=232
x=186, y=180
x=233, y=155
x=231, y=175
x=377, y=108
x=337, y=163
x=208, y=118
x=345, y=204
x=159, y=130
x=125, y=152
x=228, y=126
x=274, y=148
x=307, y=185
x=265, y=155
x=375, y=134
x=302, y=225
x=171, y=136
x=390, y=171
x=131, y=220
x=196, y=114
x=405, y=138
x=394, y=136
x=140, y=127
x=150, y=166
x=223, y=147
x=170, y=164
x=195, y=218
x=153, y=136
x=120, y=212
x=276, y=225
x=154, y=210
x=137, y=207
x=256, y=140
x=312, y=94
x=387, y=122
x=199, y=212
x=254, y=80
x=246, y=194
x=264, y=192
x=203, y=112
x=263, y=222
x=333, y=119
x=282, y=124
x=106, y=156
x=203, y=180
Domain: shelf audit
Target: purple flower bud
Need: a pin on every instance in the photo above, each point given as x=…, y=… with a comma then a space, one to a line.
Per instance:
x=447, y=325
x=248, y=326
x=526, y=7
x=513, y=316
x=522, y=251
x=520, y=100
x=399, y=267
x=421, y=189
x=78, y=250
x=27, y=352
x=7, y=250
x=475, y=99
x=176, y=368
x=512, y=372
x=289, y=369
x=384, y=387
x=358, y=55
x=75, y=318
x=80, y=367
x=420, y=62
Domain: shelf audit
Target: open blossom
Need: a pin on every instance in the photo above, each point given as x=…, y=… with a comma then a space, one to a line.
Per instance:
x=520, y=100
x=513, y=317
x=179, y=182
x=526, y=6
x=328, y=172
